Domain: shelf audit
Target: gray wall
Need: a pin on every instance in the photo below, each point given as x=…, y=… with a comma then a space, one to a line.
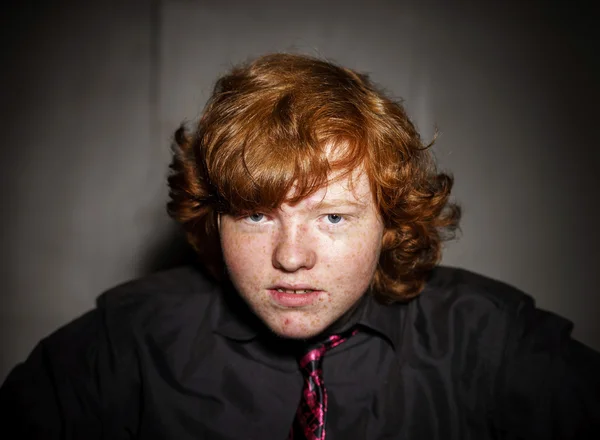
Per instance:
x=91, y=92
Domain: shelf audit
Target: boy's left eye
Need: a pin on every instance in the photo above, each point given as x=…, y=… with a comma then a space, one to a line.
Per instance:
x=256, y=217
x=334, y=218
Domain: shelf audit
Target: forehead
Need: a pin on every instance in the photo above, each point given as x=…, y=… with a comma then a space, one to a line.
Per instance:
x=342, y=187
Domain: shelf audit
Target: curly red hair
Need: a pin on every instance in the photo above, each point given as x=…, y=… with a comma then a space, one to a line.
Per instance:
x=266, y=128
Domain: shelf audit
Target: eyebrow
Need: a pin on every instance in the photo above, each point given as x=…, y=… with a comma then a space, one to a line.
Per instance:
x=336, y=203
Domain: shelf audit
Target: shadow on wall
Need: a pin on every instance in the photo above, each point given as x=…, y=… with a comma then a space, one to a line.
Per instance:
x=170, y=251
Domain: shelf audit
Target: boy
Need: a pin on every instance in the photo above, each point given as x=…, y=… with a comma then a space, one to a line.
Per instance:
x=320, y=312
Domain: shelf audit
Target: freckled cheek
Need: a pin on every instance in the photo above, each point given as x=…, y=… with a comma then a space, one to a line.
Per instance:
x=353, y=265
x=361, y=253
x=246, y=258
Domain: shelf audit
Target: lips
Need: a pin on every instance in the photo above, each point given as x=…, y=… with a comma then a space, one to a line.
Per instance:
x=293, y=296
x=294, y=291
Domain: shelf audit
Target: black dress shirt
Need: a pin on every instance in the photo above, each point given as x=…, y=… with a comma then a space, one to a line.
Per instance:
x=173, y=356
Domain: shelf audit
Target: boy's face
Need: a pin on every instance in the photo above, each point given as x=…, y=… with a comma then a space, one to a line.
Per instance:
x=301, y=267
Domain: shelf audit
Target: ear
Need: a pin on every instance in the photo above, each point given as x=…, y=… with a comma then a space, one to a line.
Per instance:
x=219, y=222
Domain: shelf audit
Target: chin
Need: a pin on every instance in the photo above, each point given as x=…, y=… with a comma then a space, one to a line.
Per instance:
x=289, y=330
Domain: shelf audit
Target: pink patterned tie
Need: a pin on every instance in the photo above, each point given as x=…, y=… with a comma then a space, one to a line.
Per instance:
x=309, y=423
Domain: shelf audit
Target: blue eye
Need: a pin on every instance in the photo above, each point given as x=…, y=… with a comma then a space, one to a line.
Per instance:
x=334, y=218
x=256, y=217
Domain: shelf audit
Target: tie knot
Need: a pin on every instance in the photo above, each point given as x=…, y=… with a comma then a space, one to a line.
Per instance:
x=313, y=357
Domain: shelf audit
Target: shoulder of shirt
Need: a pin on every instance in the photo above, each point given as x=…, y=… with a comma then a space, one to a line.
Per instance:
x=452, y=298
x=135, y=308
x=458, y=298
x=96, y=356
x=449, y=284
x=161, y=288
x=161, y=301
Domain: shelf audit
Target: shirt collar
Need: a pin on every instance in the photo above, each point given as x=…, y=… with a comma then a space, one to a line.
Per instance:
x=387, y=320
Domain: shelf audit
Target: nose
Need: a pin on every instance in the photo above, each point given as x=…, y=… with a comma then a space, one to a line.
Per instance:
x=293, y=250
